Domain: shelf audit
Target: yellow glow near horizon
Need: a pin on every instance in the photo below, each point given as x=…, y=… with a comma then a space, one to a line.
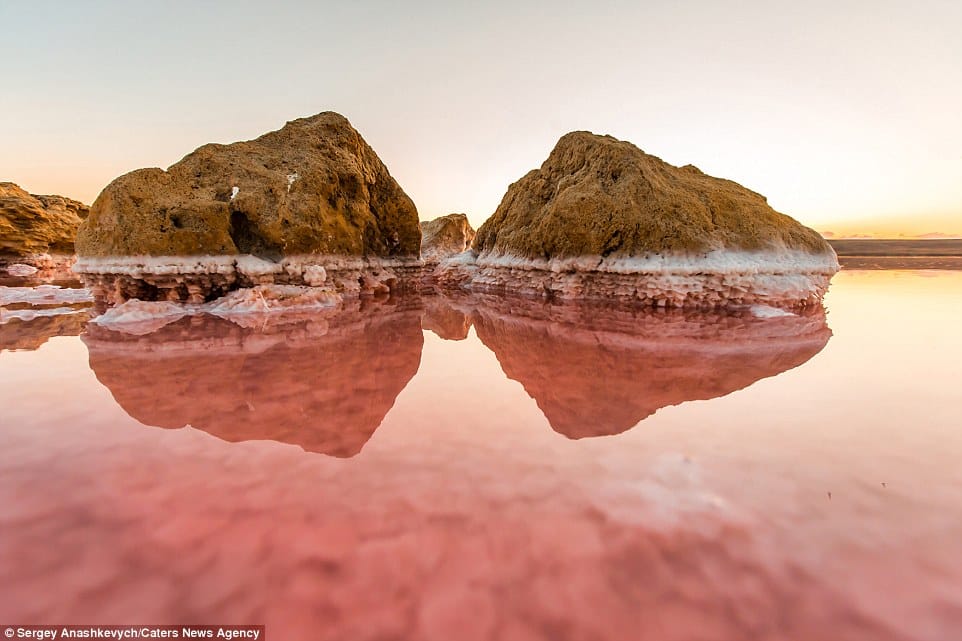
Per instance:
x=844, y=114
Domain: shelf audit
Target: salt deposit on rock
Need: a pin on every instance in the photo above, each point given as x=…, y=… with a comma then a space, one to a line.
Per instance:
x=601, y=219
x=272, y=298
x=140, y=317
x=310, y=203
x=43, y=295
x=19, y=269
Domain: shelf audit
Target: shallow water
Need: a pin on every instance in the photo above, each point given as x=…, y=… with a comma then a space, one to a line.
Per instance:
x=475, y=469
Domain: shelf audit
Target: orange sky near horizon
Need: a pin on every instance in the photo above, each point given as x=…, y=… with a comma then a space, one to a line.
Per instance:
x=844, y=114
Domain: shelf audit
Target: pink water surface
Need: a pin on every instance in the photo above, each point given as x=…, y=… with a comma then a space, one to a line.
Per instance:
x=476, y=469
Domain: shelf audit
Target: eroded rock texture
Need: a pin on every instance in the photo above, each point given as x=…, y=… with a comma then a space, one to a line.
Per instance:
x=445, y=236
x=599, y=196
x=603, y=219
x=312, y=194
x=36, y=232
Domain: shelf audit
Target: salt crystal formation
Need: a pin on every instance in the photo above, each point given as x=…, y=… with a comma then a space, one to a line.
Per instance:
x=601, y=219
x=310, y=204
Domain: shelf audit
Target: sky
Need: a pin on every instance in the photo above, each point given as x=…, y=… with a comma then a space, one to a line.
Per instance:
x=847, y=115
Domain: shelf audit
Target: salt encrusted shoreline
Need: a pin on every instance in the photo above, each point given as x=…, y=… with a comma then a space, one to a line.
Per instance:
x=44, y=265
x=199, y=279
x=784, y=279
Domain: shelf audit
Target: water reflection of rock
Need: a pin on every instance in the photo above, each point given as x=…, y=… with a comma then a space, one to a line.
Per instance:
x=323, y=382
x=30, y=334
x=597, y=372
x=445, y=320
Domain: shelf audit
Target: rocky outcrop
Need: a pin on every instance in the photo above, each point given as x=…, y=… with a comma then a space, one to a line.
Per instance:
x=309, y=204
x=36, y=232
x=445, y=236
x=323, y=383
x=601, y=219
x=596, y=372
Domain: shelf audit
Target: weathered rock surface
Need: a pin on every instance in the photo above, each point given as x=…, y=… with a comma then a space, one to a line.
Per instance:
x=309, y=204
x=596, y=374
x=602, y=219
x=323, y=383
x=37, y=231
x=445, y=236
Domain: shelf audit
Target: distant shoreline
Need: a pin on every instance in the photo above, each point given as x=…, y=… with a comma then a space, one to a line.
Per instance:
x=898, y=254
x=880, y=247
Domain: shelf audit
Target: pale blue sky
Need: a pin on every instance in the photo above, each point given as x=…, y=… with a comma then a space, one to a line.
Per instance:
x=842, y=113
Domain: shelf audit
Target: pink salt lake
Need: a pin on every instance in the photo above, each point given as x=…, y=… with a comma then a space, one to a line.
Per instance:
x=469, y=469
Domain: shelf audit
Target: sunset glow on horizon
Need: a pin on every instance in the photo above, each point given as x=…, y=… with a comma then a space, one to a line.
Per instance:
x=848, y=122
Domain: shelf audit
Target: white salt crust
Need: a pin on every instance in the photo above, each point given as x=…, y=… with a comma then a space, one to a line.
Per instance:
x=195, y=279
x=43, y=265
x=44, y=295
x=764, y=311
x=30, y=314
x=140, y=317
x=19, y=269
x=786, y=278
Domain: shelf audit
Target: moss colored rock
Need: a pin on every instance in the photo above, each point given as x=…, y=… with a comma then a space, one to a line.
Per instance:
x=599, y=196
x=32, y=224
x=312, y=187
x=445, y=236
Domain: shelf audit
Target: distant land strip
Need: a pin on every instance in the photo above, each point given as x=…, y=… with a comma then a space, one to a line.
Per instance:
x=899, y=254
x=877, y=247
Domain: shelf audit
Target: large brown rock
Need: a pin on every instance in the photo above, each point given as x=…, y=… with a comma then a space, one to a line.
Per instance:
x=445, y=236
x=600, y=196
x=599, y=205
x=33, y=226
x=311, y=193
x=312, y=187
